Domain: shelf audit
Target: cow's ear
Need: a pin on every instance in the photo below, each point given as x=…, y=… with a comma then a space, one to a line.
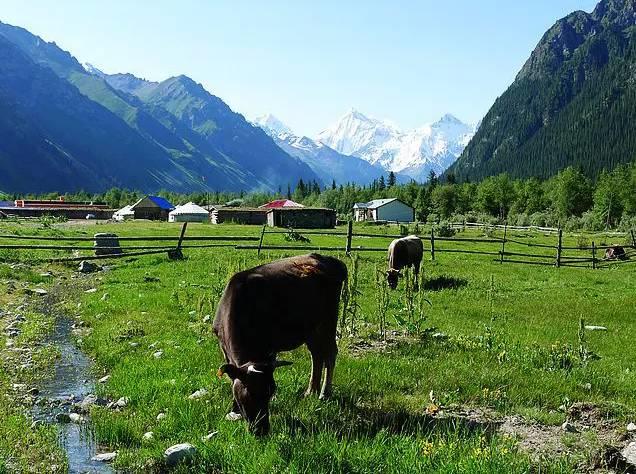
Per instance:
x=231, y=370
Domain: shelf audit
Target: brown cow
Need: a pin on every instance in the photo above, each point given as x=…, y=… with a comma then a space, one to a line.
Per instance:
x=404, y=252
x=615, y=252
x=272, y=308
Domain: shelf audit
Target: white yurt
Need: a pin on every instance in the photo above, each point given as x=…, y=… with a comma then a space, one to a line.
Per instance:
x=124, y=214
x=189, y=212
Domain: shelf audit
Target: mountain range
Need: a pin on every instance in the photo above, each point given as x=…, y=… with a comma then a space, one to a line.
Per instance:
x=66, y=128
x=432, y=147
x=572, y=104
x=326, y=162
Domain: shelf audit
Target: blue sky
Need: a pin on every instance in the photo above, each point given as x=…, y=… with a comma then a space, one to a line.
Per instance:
x=308, y=62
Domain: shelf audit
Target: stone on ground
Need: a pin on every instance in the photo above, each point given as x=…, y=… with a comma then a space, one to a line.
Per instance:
x=86, y=266
x=104, y=457
x=179, y=453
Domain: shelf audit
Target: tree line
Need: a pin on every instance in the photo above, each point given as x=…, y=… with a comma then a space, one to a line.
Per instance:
x=569, y=199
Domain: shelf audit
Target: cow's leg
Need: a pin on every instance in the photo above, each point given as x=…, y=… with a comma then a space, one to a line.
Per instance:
x=416, y=275
x=317, y=363
x=330, y=364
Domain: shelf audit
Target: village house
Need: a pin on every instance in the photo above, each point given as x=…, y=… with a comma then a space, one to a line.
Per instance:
x=383, y=210
x=153, y=208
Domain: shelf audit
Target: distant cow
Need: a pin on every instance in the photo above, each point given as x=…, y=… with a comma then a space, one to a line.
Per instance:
x=404, y=252
x=615, y=252
x=273, y=308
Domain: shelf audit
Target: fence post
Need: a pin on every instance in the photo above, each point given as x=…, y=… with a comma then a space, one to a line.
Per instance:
x=260, y=242
x=503, y=243
x=559, y=246
x=349, y=237
x=176, y=253
x=633, y=239
x=432, y=243
x=593, y=256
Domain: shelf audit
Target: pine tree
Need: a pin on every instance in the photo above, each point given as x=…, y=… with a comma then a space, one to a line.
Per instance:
x=391, y=180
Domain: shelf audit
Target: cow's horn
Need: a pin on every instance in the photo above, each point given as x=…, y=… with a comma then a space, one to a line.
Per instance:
x=253, y=370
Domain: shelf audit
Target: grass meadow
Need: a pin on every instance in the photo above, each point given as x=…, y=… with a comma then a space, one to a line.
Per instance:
x=479, y=335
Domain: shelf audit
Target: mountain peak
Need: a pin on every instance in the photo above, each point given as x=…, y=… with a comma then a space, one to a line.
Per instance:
x=272, y=125
x=449, y=118
x=93, y=70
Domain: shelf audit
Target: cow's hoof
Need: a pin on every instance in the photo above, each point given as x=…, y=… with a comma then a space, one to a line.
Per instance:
x=233, y=416
x=325, y=396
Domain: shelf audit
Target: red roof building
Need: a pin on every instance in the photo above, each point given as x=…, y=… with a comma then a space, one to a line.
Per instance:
x=278, y=203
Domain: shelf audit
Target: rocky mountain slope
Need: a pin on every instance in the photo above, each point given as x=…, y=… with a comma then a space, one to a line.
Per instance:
x=172, y=134
x=572, y=104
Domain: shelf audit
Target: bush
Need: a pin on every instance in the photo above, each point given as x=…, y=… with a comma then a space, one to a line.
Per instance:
x=582, y=242
x=627, y=223
x=522, y=220
x=445, y=230
x=590, y=221
x=433, y=218
x=539, y=219
x=573, y=223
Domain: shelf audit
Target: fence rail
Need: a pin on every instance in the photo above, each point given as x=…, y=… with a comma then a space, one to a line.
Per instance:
x=559, y=255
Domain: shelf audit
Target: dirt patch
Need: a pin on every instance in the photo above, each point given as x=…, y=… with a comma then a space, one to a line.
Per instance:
x=590, y=437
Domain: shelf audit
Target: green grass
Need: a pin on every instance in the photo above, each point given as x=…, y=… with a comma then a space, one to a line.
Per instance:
x=512, y=346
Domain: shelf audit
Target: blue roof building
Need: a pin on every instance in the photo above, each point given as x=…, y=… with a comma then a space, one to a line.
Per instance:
x=153, y=208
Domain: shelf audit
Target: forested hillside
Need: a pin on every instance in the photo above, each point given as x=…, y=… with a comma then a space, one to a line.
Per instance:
x=572, y=104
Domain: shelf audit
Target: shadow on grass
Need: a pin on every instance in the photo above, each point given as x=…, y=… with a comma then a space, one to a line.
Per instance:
x=444, y=283
x=356, y=421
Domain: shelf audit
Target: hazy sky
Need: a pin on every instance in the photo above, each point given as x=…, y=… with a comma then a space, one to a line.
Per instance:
x=308, y=62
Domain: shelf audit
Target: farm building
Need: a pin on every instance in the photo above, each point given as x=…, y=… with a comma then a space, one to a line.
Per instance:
x=152, y=207
x=280, y=203
x=189, y=212
x=302, y=217
x=124, y=214
x=57, y=208
x=392, y=210
x=239, y=215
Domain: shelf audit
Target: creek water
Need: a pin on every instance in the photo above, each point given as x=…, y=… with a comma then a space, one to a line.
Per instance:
x=72, y=381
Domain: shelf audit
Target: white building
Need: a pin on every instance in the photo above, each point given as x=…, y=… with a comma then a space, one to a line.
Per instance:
x=392, y=210
x=189, y=212
x=124, y=214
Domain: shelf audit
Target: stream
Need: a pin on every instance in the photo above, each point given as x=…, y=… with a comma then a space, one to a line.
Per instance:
x=72, y=380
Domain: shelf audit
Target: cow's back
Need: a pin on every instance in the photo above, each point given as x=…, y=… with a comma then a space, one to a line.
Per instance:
x=277, y=306
x=405, y=251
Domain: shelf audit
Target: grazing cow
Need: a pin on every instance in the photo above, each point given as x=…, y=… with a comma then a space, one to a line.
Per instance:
x=404, y=252
x=272, y=308
x=615, y=252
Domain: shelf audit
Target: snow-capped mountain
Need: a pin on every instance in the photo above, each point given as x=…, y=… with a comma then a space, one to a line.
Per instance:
x=431, y=147
x=271, y=125
x=326, y=162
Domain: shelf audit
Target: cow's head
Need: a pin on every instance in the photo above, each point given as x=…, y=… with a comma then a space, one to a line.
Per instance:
x=392, y=277
x=253, y=387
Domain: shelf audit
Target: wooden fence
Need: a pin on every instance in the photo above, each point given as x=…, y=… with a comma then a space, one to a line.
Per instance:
x=503, y=249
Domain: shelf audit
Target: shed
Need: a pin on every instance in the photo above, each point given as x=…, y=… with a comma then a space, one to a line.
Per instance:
x=152, y=207
x=239, y=215
x=124, y=214
x=302, y=218
x=392, y=210
x=280, y=203
x=189, y=212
